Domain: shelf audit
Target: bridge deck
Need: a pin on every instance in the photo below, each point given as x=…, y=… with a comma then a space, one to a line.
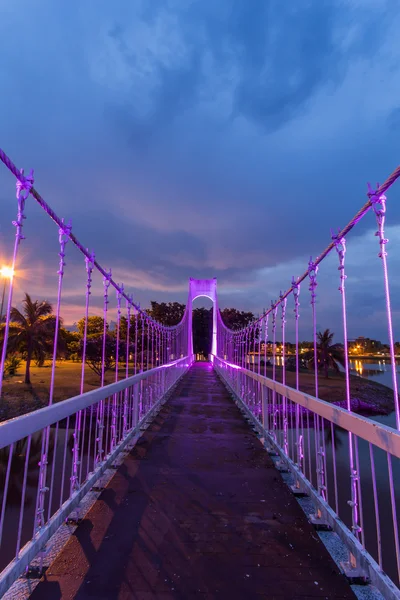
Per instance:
x=197, y=510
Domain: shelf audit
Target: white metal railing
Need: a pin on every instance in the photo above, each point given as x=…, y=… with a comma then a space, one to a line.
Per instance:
x=312, y=439
x=51, y=458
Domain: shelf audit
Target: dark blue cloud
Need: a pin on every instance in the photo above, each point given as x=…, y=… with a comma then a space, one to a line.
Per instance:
x=288, y=51
x=200, y=138
x=280, y=53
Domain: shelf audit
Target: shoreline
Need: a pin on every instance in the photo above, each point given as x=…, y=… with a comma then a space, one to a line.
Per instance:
x=368, y=397
x=350, y=356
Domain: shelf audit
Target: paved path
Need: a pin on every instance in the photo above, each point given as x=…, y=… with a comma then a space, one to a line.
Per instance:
x=197, y=510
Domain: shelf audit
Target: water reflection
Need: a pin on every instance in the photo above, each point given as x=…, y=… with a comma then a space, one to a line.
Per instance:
x=18, y=467
x=371, y=368
x=378, y=370
x=334, y=436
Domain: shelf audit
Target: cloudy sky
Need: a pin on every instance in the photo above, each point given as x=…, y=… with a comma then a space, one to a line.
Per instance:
x=204, y=139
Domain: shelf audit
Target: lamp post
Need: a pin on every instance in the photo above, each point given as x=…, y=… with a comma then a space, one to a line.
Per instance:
x=5, y=273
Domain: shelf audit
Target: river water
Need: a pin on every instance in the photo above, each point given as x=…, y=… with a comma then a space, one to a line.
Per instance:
x=381, y=372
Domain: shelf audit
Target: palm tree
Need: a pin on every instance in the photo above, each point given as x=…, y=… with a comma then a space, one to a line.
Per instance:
x=32, y=331
x=328, y=354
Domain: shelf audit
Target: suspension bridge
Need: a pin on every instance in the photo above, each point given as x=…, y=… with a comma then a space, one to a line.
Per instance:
x=183, y=479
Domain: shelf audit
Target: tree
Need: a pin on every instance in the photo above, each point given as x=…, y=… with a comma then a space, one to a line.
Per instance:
x=94, y=352
x=123, y=327
x=32, y=331
x=171, y=314
x=71, y=341
x=236, y=319
x=328, y=354
x=94, y=344
x=168, y=314
x=95, y=325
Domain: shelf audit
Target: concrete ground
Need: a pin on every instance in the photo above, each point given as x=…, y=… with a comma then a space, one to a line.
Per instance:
x=197, y=510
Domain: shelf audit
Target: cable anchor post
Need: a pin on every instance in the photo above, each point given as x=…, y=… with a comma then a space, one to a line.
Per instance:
x=296, y=487
x=378, y=202
x=23, y=189
x=100, y=407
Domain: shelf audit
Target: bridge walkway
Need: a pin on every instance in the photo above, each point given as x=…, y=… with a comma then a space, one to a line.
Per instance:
x=197, y=510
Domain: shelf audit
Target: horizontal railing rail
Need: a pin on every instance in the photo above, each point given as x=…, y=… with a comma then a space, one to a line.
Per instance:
x=20, y=427
x=52, y=457
x=382, y=436
x=308, y=436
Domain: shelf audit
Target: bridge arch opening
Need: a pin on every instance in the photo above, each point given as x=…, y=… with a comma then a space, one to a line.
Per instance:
x=203, y=288
x=202, y=308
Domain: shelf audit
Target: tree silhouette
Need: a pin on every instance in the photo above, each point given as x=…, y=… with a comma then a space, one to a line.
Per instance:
x=328, y=354
x=169, y=314
x=95, y=325
x=336, y=437
x=236, y=319
x=94, y=352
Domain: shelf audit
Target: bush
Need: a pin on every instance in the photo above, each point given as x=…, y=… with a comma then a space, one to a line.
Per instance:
x=12, y=364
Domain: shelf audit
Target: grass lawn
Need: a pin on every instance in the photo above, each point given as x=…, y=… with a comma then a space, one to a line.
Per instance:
x=19, y=398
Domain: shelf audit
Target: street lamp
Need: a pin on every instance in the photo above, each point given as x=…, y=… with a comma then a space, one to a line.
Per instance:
x=5, y=273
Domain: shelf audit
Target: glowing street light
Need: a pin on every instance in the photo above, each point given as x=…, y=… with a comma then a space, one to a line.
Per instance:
x=5, y=273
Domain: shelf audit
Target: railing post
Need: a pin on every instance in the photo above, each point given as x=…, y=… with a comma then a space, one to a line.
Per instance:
x=100, y=405
x=284, y=399
x=296, y=488
x=135, y=416
x=125, y=425
x=317, y=519
x=264, y=406
x=163, y=382
x=115, y=404
x=274, y=422
x=23, y=190
x=77, y=461
x=350, y=568
x=64, y=232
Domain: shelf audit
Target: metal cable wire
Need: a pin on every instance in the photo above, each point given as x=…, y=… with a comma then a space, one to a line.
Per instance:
x=359, y=215
x=363, y=210
x=11, y=167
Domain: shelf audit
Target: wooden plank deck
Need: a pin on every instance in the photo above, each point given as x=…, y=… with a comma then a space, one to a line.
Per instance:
x=197, y=510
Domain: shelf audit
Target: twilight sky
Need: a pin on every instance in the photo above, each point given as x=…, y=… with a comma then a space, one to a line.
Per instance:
x=204, y=138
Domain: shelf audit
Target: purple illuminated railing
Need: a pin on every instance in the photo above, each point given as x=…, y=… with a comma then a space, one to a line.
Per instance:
x=161, y=342
x=301, y=428
x=78, y=438
x=110, y=417
x=313, y=440
x=297, y=429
